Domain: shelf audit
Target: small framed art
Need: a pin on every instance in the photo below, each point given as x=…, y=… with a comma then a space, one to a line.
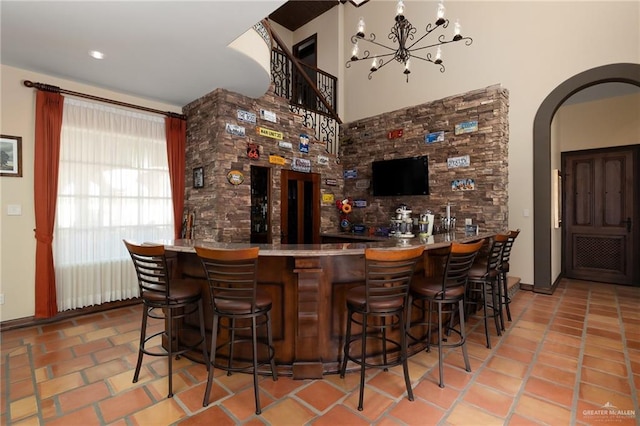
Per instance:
x=198, y=177
x=10, y=156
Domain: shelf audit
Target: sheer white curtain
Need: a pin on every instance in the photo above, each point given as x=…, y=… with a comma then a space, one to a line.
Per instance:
x=113, y=184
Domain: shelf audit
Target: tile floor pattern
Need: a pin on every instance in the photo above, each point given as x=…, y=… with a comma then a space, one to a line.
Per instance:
x=562, y=359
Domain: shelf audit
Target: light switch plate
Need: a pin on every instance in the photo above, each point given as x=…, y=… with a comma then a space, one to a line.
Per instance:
x=14, y=210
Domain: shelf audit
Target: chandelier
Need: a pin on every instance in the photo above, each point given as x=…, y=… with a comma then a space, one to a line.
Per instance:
x=402, y=35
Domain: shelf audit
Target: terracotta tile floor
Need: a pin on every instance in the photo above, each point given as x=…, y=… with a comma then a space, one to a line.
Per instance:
x=562, y=359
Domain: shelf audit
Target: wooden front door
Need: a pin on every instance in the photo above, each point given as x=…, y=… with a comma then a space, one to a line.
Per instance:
x=601, y=206
x=300, y=207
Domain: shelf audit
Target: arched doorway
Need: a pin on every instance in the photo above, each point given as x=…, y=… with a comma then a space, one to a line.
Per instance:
x=624, y=73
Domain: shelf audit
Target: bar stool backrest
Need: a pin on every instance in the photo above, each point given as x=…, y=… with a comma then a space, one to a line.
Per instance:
x=459, y=263
x=506, y=251
x=389, y=274
x=232, y=277
x=150, y=264
x=495, y=255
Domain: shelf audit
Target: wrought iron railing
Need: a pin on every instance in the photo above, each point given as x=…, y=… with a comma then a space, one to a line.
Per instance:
x=304, y=100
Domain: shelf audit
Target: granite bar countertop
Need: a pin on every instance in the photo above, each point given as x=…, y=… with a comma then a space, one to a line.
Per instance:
x=332, y=249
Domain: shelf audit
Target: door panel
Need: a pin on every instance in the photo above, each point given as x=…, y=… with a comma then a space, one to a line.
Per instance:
x=300, y=208
x=599, y=197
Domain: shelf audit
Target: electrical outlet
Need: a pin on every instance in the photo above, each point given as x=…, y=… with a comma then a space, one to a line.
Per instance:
x=1, y=298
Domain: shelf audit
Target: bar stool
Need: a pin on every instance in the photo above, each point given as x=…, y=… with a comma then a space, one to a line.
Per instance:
x=445, y=290
x=504, y=270
x=379, y=307
x=484, y=282
x=164, y=298
x=238, y=306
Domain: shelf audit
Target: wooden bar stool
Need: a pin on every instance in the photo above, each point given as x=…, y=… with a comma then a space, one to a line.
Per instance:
x=239, y=306
x=504, y=270
x=379, y=307
x=443, y=291
x=484, y=284
x=164, y=298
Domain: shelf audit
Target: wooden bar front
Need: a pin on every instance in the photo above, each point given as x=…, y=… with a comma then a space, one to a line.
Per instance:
x=308, y=286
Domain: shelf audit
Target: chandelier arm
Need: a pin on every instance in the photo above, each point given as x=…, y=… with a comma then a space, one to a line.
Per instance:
x=428, y=59
x=428, y=30
x=467, y=41
x=372, y=41
x=367, y=55
x=382, y=63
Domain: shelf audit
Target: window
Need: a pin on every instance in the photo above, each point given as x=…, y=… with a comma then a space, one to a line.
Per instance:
x=113, y=183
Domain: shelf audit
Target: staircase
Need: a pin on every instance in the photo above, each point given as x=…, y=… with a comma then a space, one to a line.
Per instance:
x=311, y=92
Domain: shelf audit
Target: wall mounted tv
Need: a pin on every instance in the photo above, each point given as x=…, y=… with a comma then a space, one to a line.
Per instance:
x=401, y=176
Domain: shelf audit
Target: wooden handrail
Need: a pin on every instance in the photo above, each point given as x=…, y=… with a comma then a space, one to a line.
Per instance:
x=296, y=64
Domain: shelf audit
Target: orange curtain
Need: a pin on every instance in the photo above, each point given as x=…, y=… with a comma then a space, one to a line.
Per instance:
x=176, y=130
x=46, y=161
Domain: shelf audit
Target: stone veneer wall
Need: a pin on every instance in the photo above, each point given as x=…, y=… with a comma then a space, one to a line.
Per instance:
x=222, y=210
x=365, y=141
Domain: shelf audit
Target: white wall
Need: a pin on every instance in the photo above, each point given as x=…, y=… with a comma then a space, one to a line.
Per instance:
x=17, y=247
x=529, y=47
x=605, y=123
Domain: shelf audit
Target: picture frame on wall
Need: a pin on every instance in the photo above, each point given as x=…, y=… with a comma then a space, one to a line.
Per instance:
x=198, y=177
x=10, y=156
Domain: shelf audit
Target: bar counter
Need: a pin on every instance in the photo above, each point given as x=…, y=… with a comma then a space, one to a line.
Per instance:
x=308, y=284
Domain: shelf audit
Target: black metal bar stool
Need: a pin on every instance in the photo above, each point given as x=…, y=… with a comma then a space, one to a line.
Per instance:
x=504, y=270
x=379, y=307
x=239, y=306
x=167, y=299
x=445, y=290
x=484, y=284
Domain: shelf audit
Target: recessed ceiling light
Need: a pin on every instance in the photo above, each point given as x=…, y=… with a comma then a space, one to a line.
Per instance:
x=96, y=54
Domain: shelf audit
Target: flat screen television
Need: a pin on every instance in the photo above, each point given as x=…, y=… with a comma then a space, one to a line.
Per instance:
x=401, y=176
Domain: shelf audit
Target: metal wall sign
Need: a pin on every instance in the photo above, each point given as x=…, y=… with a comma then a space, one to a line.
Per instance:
x=234, y=129
x=434, y=137
x=304, y=143
x=360, y=203
x=276, y=159
x=285, y=145
x=268, y=115
x=395, y=134
x=323, y=159
x=253, y=151
x=301, y=165
x=269, y=133
x=246, y=116
x=466, y=127
x=350, y=174
x=328, y=198
x=331, y=182
x=455, y=162
x=235, y=177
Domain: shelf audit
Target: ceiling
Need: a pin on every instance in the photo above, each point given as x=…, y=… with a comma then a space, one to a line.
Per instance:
x=294, y=14
x=169, y=51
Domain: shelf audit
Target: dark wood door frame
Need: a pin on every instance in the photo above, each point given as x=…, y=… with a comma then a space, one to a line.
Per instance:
x=542, y=220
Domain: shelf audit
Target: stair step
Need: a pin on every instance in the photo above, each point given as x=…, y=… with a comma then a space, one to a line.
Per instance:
x=513, y=285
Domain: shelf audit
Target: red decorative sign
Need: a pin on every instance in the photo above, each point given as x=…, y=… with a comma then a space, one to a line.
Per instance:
x=253, y=151
x=394, y=134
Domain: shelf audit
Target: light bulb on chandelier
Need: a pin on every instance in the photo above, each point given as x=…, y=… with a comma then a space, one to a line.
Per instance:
x=403, y=34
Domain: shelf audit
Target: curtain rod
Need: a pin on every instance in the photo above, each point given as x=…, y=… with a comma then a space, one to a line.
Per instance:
x=56, y=89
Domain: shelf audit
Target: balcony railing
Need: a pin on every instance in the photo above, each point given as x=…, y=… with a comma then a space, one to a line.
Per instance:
x=290, y=84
